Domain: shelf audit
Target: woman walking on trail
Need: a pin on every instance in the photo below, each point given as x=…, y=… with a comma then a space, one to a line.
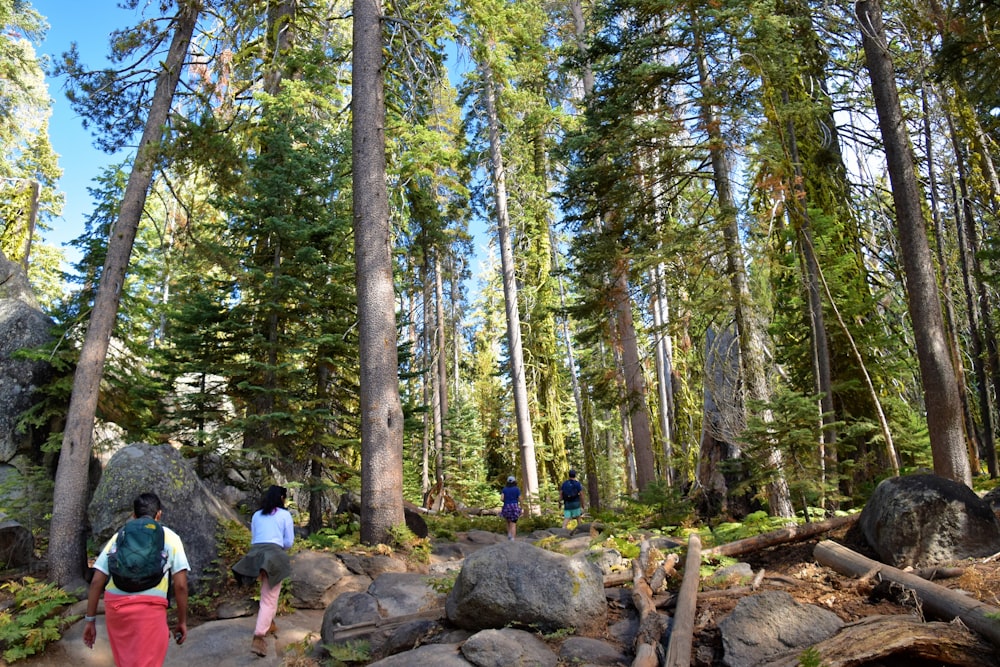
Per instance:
x=271, y=535
x=511, y=506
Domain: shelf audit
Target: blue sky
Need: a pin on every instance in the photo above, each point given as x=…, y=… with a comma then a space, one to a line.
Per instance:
x=88, y=24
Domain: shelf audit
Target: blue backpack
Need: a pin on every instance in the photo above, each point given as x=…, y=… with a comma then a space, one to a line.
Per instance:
x=571, y=490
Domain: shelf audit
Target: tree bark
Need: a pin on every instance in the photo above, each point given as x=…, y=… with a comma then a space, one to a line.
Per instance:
x=380, y=407
x=751, y=352
x=525, y=438
x=875, y=640
x=781, y=536
x=944, y=418
x=67, y=548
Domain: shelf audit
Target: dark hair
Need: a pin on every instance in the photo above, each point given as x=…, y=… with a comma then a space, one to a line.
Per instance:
x=273, y=498
x=572, y=473
x=146, y=504
x=512, y=483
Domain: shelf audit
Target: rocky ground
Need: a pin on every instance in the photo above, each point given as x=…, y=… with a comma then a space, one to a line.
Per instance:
x=789, y=567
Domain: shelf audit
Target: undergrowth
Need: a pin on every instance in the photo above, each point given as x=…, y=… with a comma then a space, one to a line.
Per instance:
x=33, y=621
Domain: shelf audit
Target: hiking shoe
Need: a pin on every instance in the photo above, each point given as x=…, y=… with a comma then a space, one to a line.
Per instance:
x=259, y=646
x=273, y=630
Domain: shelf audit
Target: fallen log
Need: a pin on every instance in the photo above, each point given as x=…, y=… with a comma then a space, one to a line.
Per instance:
x=935, y=600
x=366, y=628
x=682, y=635
x=651, y=626
x=781, y=536
x=876, y=639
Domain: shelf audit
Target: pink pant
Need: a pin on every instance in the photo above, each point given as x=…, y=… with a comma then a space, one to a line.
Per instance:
x=268, y=604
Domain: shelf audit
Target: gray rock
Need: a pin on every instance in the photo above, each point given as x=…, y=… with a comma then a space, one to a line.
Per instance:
x=372, y=565
x=22, y=325
x=501, y=648
x=16, y=544
x=769, y=624
x=349, y=609
x=432, y=655
x=351, y=583
x=578, y=650
x=514, y=582
x=314, y=576
x=580, y=543
x=189, y=508
x=921, y=520
x=608, y=560
x=401, y=593
x=738, y=572
x=406, y=637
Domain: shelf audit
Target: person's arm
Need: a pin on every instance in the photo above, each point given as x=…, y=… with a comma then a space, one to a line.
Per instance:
x=181, y=597
x=97, y=585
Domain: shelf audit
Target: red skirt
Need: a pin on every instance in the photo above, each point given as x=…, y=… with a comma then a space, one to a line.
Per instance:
x=137, y=629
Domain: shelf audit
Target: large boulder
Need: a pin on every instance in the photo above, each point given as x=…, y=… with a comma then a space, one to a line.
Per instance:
x=771, y=624
x=189, y=508
x=500, y=648
x=22, y=325
x=314, y=575
x=928, y=520
x=515, y=582
x=404, y=593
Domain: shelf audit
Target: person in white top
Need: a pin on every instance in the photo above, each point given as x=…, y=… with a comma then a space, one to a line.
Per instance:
x=272, y=533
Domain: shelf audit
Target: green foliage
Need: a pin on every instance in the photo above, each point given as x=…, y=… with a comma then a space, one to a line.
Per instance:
x=417, y=548
x=443, y=583
x=789, y=423
x=349, y=653
x=31, y=622
x=755, y=523
x=333, y=539
x=27, y=496
x=664, y=505
x=627, y=545
x=810, y=658
x=709, y=566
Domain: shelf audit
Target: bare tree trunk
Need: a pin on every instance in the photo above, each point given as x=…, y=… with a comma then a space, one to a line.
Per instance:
x=944, y=417
x=441, y=384
x=67, y=548
x=974, y=309
x=750, y=344
x=526, y=441
x=951, y=322
x=381, y=410
x=664, y=376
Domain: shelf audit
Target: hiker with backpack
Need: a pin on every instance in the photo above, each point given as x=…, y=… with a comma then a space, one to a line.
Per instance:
x=136, y=570
x=571, y=495
x=272, y=533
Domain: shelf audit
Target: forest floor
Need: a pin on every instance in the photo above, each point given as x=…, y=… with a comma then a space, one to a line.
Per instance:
x=792, y=567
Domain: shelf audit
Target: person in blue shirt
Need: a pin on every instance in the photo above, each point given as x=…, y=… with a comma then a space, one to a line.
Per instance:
x=511, y=506
x=571, y=495
x=272, y=533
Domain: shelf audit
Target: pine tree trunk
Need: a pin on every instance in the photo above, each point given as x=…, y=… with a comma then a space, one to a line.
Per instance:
x=525, y=438
x=975, y=308
x=950, y=319
x=67, y=547
x=937, y=373
x=750, y=344
x=380, y=407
